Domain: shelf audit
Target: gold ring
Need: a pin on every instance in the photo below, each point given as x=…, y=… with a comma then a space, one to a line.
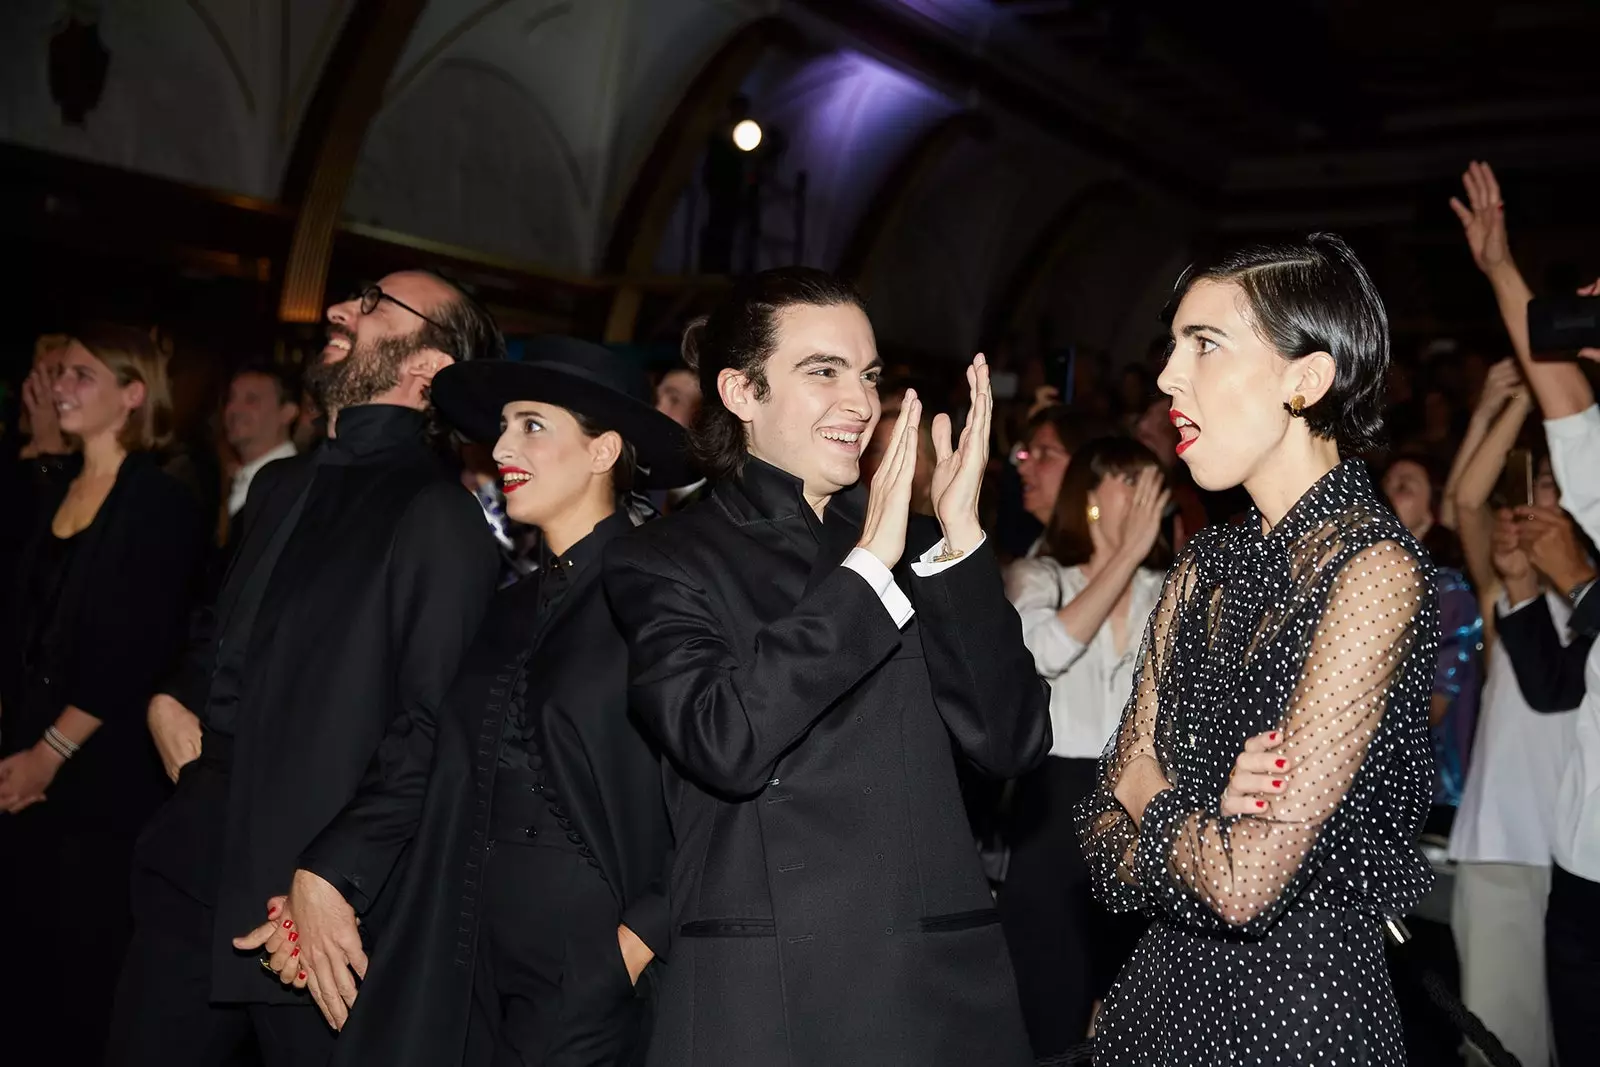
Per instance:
x=266, y=964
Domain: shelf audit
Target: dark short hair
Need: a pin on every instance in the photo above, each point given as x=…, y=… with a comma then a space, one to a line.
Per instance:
x=283, y=378
x=625, y=471
x=1314, y=296
x=465, y=331
x=1074, y=428
x=1066, y=539
x=741, y=333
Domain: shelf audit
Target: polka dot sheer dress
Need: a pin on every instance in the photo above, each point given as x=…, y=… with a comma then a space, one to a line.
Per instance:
x=1267, y=944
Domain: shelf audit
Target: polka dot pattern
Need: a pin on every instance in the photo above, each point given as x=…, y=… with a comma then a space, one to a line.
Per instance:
x=1267, y=946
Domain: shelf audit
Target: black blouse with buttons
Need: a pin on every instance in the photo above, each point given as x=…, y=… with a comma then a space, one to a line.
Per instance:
x=1267, y=946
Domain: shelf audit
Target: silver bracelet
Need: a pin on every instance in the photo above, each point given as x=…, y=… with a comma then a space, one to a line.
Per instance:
x=64, y=746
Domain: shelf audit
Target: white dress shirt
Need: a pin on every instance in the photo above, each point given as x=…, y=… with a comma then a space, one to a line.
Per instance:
x=239, y=491
x=881, y=579
x=1575, y=459
x=1508, y=806
x=1089, y=683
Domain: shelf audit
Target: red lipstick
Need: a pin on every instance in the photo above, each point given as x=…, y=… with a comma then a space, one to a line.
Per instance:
x=513, y=478
x=1188, y=433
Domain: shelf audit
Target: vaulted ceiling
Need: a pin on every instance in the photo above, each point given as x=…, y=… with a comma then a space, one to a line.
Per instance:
x=989, y=169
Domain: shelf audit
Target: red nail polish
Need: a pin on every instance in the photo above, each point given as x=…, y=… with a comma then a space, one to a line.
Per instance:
x=287, y=923
x=295, y=953
x=302, y=976
x=1276, y=782
x=294, y=936
x=1273, y=736
x=272, y=912
x=1281, y=764
x=1261, y=803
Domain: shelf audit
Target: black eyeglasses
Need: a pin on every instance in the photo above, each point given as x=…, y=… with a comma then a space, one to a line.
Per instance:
x=372, y=296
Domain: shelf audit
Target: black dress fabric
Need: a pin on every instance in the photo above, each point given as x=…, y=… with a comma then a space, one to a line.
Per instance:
x=1267, y=943
x=92, y=622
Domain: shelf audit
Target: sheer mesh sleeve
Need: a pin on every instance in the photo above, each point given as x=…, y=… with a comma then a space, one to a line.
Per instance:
x=1108, y=834
x=1201, y=867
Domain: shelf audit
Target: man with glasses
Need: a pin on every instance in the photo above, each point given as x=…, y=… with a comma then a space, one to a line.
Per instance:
x=361, y=572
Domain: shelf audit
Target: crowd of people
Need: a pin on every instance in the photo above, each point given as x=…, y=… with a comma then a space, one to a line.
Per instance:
x=790, y=707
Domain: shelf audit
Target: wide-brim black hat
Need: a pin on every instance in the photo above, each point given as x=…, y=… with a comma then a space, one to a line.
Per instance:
x=579, y=376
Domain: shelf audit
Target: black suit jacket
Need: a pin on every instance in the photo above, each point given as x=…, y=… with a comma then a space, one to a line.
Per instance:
x=432, y=786
x=113, y=631
x=376, y=595
x=828, y=901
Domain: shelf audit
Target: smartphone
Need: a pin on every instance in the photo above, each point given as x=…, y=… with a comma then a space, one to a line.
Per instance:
x=1060, y=367
x=1516, y=484
x=1559, y=326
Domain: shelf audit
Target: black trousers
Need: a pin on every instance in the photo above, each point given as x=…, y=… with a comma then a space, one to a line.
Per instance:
x=1572, y=965
x=549, y=984
x=1065, y=947
x=164, y=1016
x=64, y=898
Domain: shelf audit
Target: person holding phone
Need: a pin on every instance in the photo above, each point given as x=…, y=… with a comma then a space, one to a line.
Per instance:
x=1572, y=428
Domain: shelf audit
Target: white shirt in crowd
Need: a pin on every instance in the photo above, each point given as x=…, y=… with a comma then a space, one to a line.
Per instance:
x=1089, y=683
x=1508, y=807
x=240, y=490
x=1575, y=459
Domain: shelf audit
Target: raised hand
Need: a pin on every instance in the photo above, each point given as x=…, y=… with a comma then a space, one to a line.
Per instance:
x=1502, y=384
x=1141, y=525
x=883, y=530
x=1510, y=561
x=1259, y=774
x=958, y=470
x=1550, y=538
x=1483, y=218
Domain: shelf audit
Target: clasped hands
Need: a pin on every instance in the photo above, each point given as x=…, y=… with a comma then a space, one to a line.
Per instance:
x=312, y=940
x=957, y=475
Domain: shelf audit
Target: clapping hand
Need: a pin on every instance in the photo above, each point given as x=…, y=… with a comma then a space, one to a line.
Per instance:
x=1141, y=524
x=1483, y=218
x=883, y=530
x=959, y=469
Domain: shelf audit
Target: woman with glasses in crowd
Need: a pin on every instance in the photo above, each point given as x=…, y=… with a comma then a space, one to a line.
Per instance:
x=1263, y=794
x=1084, y=600
x=97, y=611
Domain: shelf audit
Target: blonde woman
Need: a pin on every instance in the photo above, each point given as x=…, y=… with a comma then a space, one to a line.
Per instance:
x=96, y=610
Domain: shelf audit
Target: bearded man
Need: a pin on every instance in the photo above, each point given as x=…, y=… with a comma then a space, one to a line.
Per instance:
x=361, y=572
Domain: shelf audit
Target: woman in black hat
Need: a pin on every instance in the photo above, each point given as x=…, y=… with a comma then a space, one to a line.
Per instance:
x=506, y=858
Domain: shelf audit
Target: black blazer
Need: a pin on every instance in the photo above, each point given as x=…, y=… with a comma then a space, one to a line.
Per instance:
x=828, y=901
x=115, y=626
x=431, y=789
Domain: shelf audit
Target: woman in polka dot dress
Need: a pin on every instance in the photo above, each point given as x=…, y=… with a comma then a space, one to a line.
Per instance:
x=1264, y=790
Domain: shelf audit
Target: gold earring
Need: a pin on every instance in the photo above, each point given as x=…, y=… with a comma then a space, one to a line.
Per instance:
x=1094, y=512
x=1297, y=407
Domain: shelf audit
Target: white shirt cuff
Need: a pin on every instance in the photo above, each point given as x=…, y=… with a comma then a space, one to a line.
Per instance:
x=876, y=575
x=1507, y=609
x=924, y=567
